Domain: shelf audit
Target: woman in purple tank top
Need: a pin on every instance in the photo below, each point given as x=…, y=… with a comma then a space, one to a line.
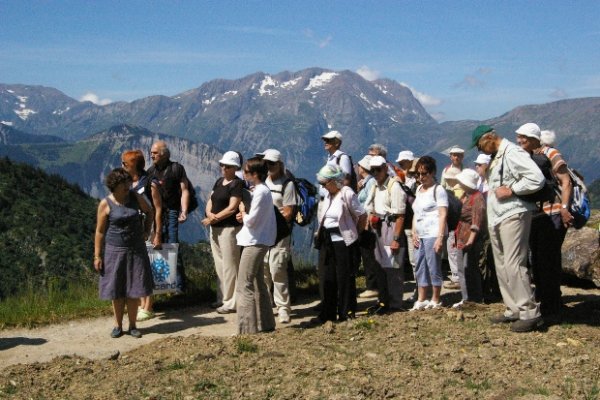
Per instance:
x=125, y=274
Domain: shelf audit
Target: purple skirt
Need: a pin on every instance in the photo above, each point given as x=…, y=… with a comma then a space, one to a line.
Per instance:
x=126, y=273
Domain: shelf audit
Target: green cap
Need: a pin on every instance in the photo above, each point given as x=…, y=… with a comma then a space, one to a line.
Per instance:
x=479, y=132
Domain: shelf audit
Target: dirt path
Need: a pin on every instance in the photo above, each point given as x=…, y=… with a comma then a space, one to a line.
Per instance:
x=90, y=338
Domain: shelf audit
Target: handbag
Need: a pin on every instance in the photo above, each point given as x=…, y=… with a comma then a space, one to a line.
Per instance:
x=319, y=238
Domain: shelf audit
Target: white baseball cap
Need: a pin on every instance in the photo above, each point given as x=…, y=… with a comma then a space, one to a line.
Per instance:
x=456, y=150
x=230, y=158
x=365, y=163
x=530, y=130
x=468, y=177
x=271, y=155
x=483, y=159
x=377, y=161
x=405, y=155
x=332, y=135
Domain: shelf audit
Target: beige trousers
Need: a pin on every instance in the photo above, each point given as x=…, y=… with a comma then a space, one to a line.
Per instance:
x=226, y=254
x=510, y=244
x=253, y=301
x=276, y=261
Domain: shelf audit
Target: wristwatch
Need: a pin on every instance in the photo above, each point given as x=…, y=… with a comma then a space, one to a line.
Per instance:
x=396, y=238
x=564, y=206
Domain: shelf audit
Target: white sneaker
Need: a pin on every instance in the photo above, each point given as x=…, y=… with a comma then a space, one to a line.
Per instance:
x=420, y=305
x=367, y=294
x=434, y=306
x=284, y=316
x=459, y=304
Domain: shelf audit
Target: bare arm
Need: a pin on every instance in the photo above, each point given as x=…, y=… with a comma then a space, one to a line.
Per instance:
x=439, y=241
x=157, y=200
x=185, y=200
x=562, y=175
x=101, y=225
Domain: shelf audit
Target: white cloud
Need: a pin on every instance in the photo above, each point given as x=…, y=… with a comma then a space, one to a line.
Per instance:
x=321, y=42
x=426, y=100
x=438, y=115
x=368, y=73
x=93, y=97
x=474, y=80
x=558, y=93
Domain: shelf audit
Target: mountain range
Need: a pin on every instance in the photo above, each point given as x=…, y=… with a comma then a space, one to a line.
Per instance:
x=288, y=111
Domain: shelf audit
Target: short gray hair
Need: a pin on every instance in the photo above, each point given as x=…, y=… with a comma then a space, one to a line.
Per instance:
x=379, y=148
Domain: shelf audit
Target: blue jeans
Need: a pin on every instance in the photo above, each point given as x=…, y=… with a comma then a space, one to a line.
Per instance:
x=170, y=234
x=429, y=264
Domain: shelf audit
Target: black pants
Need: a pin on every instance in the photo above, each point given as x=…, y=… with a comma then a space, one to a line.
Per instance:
x=545, y=242
x=367, y=246
x=338, y=264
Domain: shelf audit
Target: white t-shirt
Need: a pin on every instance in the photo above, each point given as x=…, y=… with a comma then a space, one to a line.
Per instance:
x=426, y=210
x=281, y=197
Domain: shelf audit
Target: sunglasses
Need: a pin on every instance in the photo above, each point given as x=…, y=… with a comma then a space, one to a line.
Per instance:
x=271, y=163
x=377, y=169
x=225, y=166
x=422, y=173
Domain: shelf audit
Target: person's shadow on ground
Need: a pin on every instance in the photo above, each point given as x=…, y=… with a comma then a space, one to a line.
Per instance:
x=9, y=343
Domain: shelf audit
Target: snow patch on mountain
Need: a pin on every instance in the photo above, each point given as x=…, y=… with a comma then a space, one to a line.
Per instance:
x=321, y=80
x=7, y=123
x=290, y=83
x=266, y=82
x=24, y=113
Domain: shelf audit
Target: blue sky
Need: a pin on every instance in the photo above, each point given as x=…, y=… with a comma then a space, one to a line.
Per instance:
x=462, y=59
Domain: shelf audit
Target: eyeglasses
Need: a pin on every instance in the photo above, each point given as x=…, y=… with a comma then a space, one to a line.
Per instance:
x=328, y=140
x=422, y=173
x=271, y=163
x=225, y=166
x=377, y=169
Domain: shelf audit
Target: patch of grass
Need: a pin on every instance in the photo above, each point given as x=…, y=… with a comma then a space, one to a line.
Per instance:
x=204, y=385
x=365, y=324
x=568, y=387
x=593, y=393
x=244, y=345
x=478, y=386
x=40, y=306
x=174, y=366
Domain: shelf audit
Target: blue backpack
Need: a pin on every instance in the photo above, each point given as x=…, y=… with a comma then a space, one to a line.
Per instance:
x=306, y=199
x=580, y=201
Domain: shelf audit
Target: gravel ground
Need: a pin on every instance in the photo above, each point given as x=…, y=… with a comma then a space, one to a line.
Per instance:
x=436, y=354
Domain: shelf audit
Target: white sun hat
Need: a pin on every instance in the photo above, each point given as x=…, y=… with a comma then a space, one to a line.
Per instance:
x=332, y=135
x=483, y=159
x=468, y=177
x=365, y=163
x=230, y=158
x=530, y=130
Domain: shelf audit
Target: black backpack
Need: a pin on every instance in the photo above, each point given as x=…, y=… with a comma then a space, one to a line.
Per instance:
x=549, y=190
x=353, y=178
x=454, y=208
x=410, y=199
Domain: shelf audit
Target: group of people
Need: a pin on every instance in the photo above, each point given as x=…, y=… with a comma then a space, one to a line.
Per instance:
x=377, y=212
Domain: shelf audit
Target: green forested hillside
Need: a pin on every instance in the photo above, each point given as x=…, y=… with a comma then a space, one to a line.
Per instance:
x=46, y=230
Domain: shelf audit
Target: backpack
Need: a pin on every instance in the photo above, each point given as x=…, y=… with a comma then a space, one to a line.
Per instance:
x=410, y=199
x=546, y=193
x=579, y=206
x=353, y=178
x=193, y=198
x=454, y=208
x=306, y=199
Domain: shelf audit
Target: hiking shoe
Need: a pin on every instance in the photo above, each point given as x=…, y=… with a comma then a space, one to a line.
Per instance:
x=116, y=332
x=368, y=294
x=420, y=305
x=527, y=325
x=502, y=319
x=135, y=333
x=452, y=285
x=223, y=310
x=284, y=316
x=216, y=304
x=144, y=315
